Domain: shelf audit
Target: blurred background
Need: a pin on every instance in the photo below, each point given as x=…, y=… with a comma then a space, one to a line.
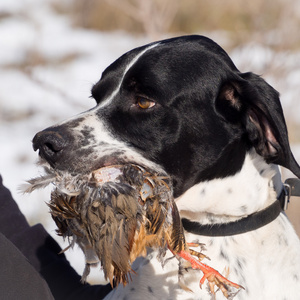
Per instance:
x=52, y=52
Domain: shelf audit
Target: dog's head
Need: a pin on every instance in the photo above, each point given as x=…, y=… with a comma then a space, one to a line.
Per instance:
x=179, y=105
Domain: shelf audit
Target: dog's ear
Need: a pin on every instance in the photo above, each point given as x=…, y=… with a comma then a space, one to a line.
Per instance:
x=256, y=104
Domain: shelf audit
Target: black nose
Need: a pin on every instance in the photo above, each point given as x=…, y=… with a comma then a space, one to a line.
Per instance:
x=51, y=145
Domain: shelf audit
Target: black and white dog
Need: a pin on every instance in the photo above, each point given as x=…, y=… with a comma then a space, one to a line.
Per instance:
x=181, y=106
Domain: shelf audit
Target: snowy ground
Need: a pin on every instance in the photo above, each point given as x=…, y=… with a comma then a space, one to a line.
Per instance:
x=47, y=68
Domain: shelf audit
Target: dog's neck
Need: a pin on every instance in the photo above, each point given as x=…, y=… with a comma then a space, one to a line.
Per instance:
x=228, y=199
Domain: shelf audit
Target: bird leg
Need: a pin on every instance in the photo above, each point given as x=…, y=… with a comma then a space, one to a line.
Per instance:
x=211, y=275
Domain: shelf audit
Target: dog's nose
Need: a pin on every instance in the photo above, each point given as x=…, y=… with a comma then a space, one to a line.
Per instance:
x=50, y=144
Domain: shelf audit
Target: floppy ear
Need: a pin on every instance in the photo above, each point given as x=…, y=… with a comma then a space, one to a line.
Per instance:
x=256, y=104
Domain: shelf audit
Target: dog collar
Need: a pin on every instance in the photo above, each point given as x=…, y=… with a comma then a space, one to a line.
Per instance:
x=249, y=223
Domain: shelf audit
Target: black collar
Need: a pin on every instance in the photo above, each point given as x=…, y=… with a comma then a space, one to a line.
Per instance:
x=249, y=223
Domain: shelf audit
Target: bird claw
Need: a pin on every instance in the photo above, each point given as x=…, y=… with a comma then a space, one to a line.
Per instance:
x=213, y=277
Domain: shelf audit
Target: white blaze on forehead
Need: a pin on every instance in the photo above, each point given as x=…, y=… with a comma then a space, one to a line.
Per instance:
x=130, y=64
x=109, y=99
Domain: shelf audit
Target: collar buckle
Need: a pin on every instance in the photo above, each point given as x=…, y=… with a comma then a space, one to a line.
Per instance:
x=287, y=195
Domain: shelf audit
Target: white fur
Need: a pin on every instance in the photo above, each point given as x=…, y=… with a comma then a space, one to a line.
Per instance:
x=265, y=261
x=233, y=197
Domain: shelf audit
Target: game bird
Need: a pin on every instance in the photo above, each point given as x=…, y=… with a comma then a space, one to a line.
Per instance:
x=115, y=213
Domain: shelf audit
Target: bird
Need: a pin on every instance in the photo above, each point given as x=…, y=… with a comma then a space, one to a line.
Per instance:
x=116, y=213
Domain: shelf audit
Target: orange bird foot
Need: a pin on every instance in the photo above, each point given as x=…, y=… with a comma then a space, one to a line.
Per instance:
x=213, y=277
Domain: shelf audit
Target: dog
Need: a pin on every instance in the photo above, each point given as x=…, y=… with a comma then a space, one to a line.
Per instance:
x=182, y=107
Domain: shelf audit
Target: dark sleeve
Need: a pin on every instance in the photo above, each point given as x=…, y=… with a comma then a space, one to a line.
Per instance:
x=18, y=278
x=41, y=250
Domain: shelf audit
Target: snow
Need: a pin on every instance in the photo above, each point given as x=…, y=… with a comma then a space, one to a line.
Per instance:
x=47, y=68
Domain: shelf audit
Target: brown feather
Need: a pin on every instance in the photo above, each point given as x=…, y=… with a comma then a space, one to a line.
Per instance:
x=115, y=213
x=118, y=220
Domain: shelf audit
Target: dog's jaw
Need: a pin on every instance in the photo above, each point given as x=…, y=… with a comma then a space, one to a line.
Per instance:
x=220, y=200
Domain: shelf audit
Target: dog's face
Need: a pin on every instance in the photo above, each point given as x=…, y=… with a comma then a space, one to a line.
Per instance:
x=179, y=105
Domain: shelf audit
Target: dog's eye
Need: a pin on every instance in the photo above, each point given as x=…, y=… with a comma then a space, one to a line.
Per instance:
x=145, y=103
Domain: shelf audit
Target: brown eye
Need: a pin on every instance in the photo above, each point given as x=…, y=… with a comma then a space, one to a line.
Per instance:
x=145, y=103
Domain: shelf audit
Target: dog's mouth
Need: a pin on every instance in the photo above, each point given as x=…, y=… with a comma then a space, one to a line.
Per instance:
x=112, y=171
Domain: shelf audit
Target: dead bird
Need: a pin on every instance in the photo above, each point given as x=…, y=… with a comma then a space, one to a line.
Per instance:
x=115, y=213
